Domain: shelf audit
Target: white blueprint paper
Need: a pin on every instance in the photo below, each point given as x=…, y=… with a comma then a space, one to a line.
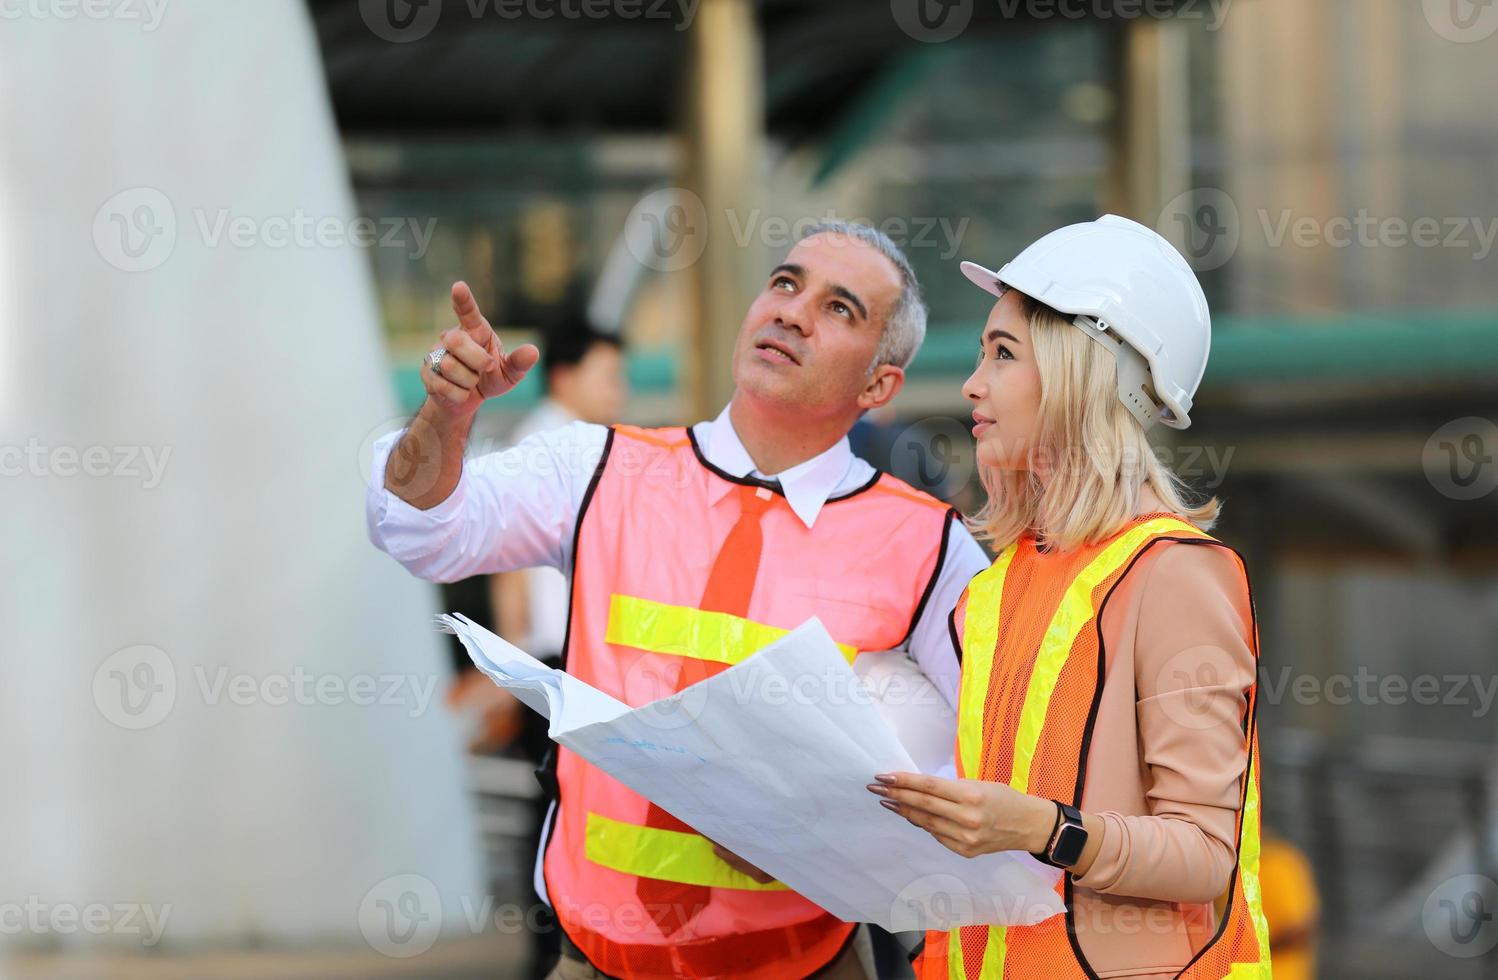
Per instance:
x=771, y=758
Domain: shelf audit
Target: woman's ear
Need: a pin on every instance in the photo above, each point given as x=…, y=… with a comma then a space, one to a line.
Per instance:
x=884, y=384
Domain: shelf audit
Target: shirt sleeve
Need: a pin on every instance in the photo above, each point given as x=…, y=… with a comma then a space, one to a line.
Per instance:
x=512, y=509
x=930, y=641
x=1193, y=669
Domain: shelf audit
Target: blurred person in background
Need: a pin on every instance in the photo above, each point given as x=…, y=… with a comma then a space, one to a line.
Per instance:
x=1106, y=717
x=1292, y=904
x=689, y=549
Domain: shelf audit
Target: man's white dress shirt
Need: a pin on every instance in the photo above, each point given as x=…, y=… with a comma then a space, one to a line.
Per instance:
x=548, y=593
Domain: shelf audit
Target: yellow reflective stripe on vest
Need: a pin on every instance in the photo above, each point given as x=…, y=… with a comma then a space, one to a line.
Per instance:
x=1248, y=872
x=1072, y=615
x=994, y=954
x=671, y=855
x=682, y=631
x=955, y=969
x=980, y=634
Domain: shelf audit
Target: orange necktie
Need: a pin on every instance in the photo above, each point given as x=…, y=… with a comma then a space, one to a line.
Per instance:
x=730, y=584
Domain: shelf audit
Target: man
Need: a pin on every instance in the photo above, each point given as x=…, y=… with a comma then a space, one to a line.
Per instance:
x=688, y=550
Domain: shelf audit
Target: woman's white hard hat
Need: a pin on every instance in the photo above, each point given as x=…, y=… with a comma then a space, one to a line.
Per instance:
x=1129, y=289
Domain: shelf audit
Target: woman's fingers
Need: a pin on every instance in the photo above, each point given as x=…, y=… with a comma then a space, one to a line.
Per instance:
x=947, y=789
x=956, y=812
x=957, y=799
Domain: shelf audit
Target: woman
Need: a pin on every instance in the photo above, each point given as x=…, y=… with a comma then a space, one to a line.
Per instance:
x=1106, y=716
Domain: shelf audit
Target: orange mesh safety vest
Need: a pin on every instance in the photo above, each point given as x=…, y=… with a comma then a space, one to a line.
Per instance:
x=649, y=529
x=1032, y=672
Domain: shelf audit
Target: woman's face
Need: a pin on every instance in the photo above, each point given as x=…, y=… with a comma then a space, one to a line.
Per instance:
x=1005, y=388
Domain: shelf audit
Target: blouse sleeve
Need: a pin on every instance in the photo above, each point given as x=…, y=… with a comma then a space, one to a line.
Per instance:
x=1194, y=665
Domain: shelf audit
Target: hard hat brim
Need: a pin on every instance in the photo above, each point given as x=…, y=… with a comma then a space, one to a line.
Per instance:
x=985, y=279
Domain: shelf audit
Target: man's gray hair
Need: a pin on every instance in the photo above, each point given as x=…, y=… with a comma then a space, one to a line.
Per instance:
x=905, y=325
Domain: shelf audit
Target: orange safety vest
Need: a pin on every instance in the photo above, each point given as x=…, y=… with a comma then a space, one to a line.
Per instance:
x=647, y=535
x=1032, y=673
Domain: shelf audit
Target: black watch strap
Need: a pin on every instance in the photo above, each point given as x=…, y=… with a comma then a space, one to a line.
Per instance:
x=1068, y=838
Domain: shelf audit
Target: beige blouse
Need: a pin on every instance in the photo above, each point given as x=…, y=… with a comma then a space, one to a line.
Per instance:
x=1166, y=762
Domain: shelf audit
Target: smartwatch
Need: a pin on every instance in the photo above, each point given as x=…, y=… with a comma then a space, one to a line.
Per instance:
x=1068, y=838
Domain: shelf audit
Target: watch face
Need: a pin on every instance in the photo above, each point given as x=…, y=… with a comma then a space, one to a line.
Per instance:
x=1069, y=844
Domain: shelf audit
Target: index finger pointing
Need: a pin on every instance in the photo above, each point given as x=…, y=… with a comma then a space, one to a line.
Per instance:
x=469, y=316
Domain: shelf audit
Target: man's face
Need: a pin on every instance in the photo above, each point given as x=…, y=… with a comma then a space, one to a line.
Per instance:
x=809, y=338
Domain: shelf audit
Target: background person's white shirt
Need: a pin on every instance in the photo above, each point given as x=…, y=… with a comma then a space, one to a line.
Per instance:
x=518, y=508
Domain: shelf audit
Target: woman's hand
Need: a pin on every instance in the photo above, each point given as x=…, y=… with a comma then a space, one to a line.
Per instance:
x=969, y=816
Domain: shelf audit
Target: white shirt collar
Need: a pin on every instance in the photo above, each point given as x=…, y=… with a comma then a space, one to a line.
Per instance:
x=807, y=485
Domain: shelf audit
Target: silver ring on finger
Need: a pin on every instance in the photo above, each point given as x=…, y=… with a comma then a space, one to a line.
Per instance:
x=435, y=360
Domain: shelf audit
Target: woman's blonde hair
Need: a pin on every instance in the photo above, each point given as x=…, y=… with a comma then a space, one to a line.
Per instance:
x=1095, y=456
